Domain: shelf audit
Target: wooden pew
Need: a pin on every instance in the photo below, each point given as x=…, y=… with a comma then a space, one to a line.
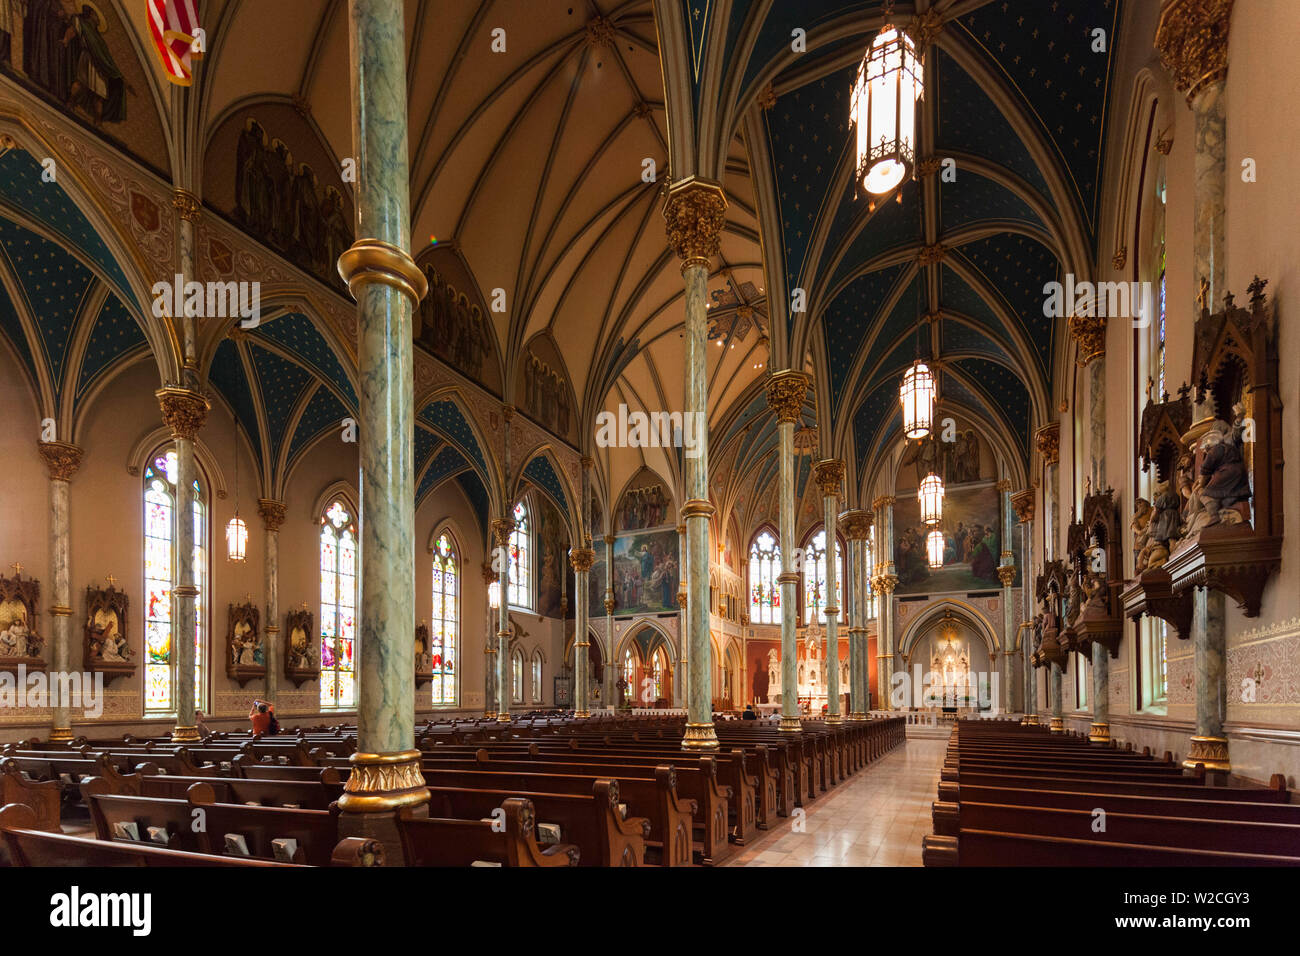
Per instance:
x=42, y=796
x=989, y=848
x=439, y=841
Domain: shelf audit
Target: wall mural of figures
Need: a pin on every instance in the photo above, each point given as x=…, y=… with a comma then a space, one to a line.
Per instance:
x=647, y=504
x=271, y=174
x=957, y=461
x=647, y=570
x=546, y=396
x=453, y=321
x=972, y=542
x=78, y=54
x=554, y=575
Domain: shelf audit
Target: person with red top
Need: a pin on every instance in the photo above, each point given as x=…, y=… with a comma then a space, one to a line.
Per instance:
x=262, y=717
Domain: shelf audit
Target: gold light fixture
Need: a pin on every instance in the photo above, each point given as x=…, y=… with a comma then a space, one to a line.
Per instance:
x=236, y=539
x=917, y=398
x=494, y=595
x=883, y=105
x=934, y=548
x=930, y=495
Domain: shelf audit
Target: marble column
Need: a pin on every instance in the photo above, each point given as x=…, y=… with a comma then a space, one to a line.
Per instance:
x=694, y=216
x=1007, y=575
x=884, y=583
x=830, y=476
x=682, y=628
x=272, y=514
x=857, y=525
x=384, y=280
x=1054, y=696
x=498, y=654
x=1100, y=730
x=582, y=559
x=188, y=210
x=1048, y=441
x=490, y=578
x=785, y=395
x=611, y=666
x=62, y=460
x=1023, y=503
x=184, y=411
x=1192, y=40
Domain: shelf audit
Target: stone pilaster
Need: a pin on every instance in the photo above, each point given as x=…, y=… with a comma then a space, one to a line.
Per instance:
x=830, y=476
x=857, y=526
x=490, y=578
x=62, y=460
x=694, y=216
x=785, y=396
x=582, y=559
x=387, y=285
x=272, y=514
x=498, y=655
x=883, y=583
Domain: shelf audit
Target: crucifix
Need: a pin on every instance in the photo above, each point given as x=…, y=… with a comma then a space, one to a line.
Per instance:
x=18, y=569
x=111, y=580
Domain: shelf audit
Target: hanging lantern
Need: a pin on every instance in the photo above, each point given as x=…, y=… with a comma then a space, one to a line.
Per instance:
x=883, y=104
x=917, y=398
x=236, y=539
x=934, y=548
x=930, y=494
x=494, y=595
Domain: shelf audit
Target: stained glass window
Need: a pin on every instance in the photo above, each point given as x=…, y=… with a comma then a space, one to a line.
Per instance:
x=764, y=568
x=338, y=606
x=446, y=619
x=517, y=677
x=519, y=592
x=814, y=578
x=632, y=693
x=537, y=677
x=160, y=578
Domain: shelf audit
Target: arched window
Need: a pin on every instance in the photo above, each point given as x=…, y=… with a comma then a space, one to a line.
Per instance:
x=764, y=567
x=446, y=619
x=338, y=605
x=160, y=579
x=538, y=694
x=519, y=588
x=815, y=597
x=517, y=676
x=660, y=670
x=631, y=676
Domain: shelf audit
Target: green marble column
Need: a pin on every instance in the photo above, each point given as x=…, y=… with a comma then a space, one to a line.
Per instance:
x=272, y=514
x=1054, y=696
x=1007, y=575
x=830, y=475
x=785, y=396
x=387, y=285
x=884, y=584
x=1023, y=503
x=1192, y=39
x=497, y=703
x=857, y=525
x=491, y=578
x=62, y=460
x=611, y=665
x=694, y=216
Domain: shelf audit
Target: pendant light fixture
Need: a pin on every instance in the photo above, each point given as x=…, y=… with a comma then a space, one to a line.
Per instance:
x=883, y=109
x=930, y=495
x=934, y=548
x=236, y=530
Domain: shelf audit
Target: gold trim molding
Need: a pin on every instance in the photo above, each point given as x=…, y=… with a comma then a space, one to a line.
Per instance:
x=373, y=260
x=61, y=458
x=381, y=782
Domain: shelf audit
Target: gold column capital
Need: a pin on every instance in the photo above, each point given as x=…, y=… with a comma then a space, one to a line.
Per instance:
x=785, y=394
x=272, y=513
x=1023, y=502
x=373, y=260
x=1004, y=484
x=694, y=215
x=1192, y=40
x=1048, y=441
x=1007, y=574
x=61, y=458
x=186, y=204
x=1089, y=334
x=857, y=524
x=884, y=501
x=582, y=559
x=501, y=530
x=830, y=476
x=184, y=410
x=884, y=583
x=609, y=605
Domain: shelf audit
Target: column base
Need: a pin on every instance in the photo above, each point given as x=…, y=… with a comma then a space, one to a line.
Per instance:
x=184, y=735
x=489, y=715
x=1100, y=733
x=503, y=718
x=1057, y=725
x=834, y=719
x=1210, y=751
x=700, y=737
x=790, y=725
x=858, y=717
x=60, y=735
x=1029, y=720
x=384, y=782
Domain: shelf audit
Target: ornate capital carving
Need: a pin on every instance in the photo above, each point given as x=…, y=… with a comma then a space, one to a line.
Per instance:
x=884, y=583
x=600, y=31
x=830, y=476
x=1089, y=333
x=1120, y=257
x=609, y=605
x=489, y=576
x=785, y=394
x=928, y=166
x=271, y=512
x=184, y=411
x=60, y=458
x=1192, y=39
x=186, y=204
x=884, y=501
x=501, y=529
x=582, y=559
x=1023, y=502
x=857, y=524
x=1048, y=441
x=766, y=97
x=1004, y=484
x=694, y=215
x=926, y=28
x=1007, y=574
x=373, y=260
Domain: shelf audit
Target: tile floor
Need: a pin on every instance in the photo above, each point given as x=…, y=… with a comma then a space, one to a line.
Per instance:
x=876, y=818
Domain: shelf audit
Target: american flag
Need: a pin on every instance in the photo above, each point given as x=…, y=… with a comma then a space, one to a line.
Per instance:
x=174, y=25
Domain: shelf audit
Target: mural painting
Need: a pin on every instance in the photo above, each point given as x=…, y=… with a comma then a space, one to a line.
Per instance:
x=453, y=322
x=554, y=576
x=647, y=569
x=972, y=542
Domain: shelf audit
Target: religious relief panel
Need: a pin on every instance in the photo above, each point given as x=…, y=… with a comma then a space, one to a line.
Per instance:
x=245, y=656
x=543, y=390
x=20, y=644
x=300, y=663
x=78, y=54
x=106, y=649
x=453, y=321
x=268, y=172
x=423, y=659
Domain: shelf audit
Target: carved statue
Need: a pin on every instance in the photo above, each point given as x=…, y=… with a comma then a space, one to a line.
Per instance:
x=1164, y=524
x=1141, y=524
x=1225, y=481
